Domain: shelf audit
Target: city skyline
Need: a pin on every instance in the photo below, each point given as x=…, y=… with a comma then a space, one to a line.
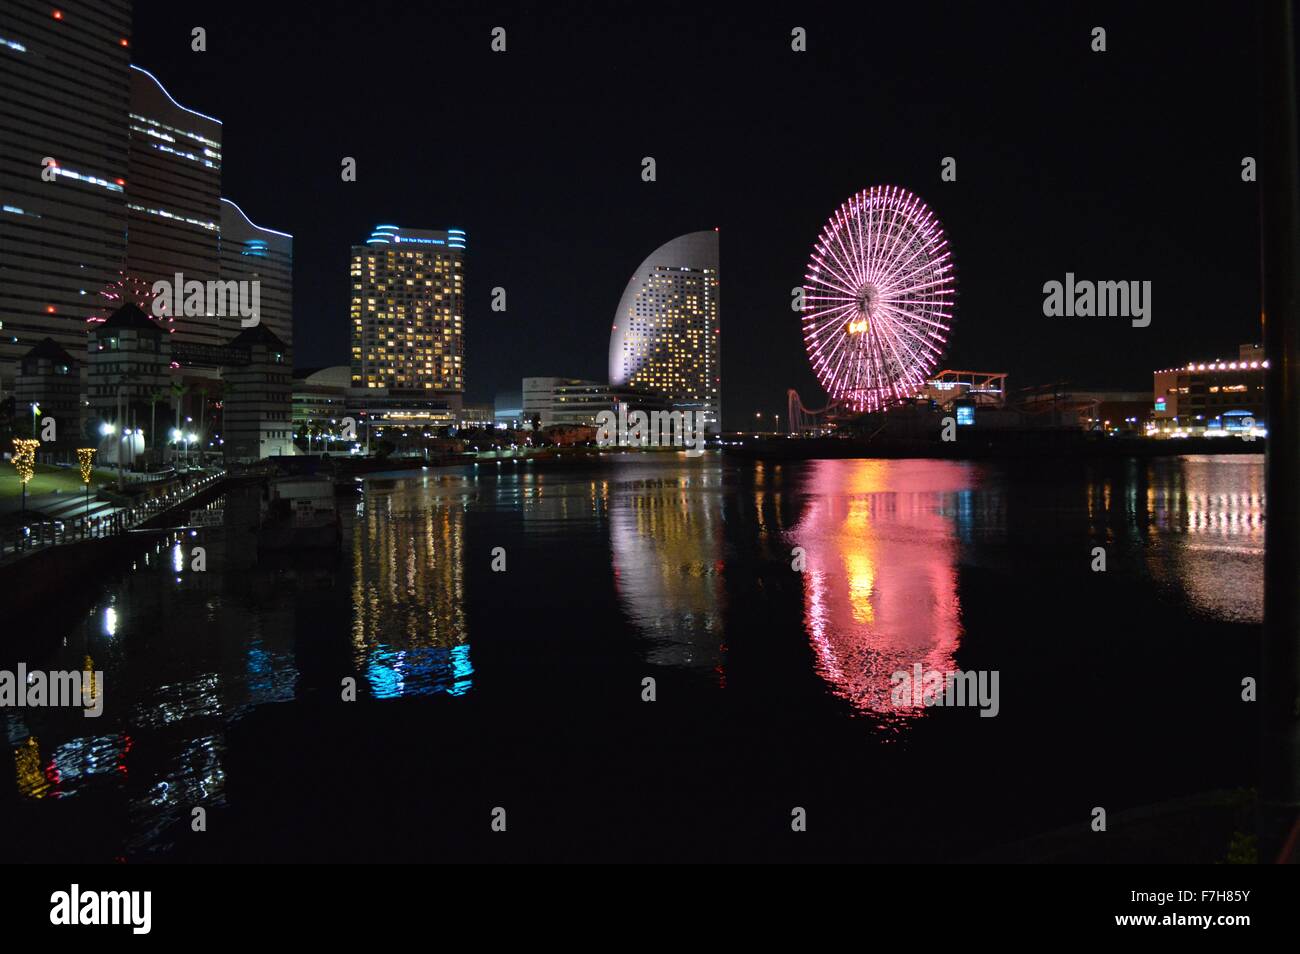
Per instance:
x=1032, y=199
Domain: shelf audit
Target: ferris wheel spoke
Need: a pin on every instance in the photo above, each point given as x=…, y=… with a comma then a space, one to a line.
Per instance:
x=833, y=340
x=849, y=252
x=889, y=241
x=836, y=377
x=926, y=330
x=876, y=239
x=921, y=346
x=860, y=228
x=895, y=294
x=841, y=284
x=922, y=343
x=812, y=295
x=842, y=270
x=902, y=269
x=902, y=365
x=919, y=311
x=916, y=246
x=829, y=320
x=927, y=264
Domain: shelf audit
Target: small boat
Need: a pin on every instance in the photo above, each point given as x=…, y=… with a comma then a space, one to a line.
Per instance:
x=299, y=513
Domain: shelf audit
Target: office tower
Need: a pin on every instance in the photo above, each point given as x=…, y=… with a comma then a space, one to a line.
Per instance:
x=251, y=253
x=178, y=223
x=666, y=336
x=408, y=310
x=173, y=201
x=65, y=75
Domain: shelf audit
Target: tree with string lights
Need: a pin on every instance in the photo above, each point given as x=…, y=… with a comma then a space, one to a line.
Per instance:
x=86, y=462
x=25, y=462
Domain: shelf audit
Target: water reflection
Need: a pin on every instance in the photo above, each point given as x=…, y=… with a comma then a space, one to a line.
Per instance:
x=409, y=629
x=1211, y=510
x=683, y=543
x=880, y=579
x=665, y=535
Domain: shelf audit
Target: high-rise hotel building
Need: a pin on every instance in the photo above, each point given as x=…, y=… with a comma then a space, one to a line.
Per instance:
x=667, y=337
x=65, y=73
x=408, y=310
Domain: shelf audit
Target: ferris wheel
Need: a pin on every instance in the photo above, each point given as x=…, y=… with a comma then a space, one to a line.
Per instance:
x=878, y=299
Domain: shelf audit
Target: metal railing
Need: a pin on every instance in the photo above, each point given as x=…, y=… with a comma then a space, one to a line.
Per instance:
x=53, y=532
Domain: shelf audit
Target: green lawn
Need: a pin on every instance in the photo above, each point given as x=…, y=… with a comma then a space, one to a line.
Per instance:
x=48, y=478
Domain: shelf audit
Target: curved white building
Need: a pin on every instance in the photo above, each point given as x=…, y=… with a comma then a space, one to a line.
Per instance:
x=667, y=336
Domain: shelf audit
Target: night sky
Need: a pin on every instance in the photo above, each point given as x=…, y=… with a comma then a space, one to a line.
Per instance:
x=1123, y=165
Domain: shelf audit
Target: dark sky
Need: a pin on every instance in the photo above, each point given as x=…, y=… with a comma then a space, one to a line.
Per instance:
x=1123, y=165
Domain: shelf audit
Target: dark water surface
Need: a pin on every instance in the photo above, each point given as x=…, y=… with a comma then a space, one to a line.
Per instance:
x=523, y=689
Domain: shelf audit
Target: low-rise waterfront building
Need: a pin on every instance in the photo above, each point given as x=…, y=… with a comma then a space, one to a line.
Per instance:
x=48, y=386
x=128, y=361
x=551, y=401
x=1222, y=397
x=258, y=398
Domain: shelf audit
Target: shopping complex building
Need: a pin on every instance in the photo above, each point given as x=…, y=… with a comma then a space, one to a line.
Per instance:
x=1219, y=398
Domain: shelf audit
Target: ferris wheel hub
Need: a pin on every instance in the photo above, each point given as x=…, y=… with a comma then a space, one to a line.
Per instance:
x=868, y=296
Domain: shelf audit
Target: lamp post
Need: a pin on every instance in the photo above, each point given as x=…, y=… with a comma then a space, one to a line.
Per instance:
x=108, y=430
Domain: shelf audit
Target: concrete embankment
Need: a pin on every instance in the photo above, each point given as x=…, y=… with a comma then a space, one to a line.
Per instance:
x=44, y=591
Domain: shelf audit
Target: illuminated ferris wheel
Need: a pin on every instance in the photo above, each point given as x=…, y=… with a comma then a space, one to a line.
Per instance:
x=878, y=298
